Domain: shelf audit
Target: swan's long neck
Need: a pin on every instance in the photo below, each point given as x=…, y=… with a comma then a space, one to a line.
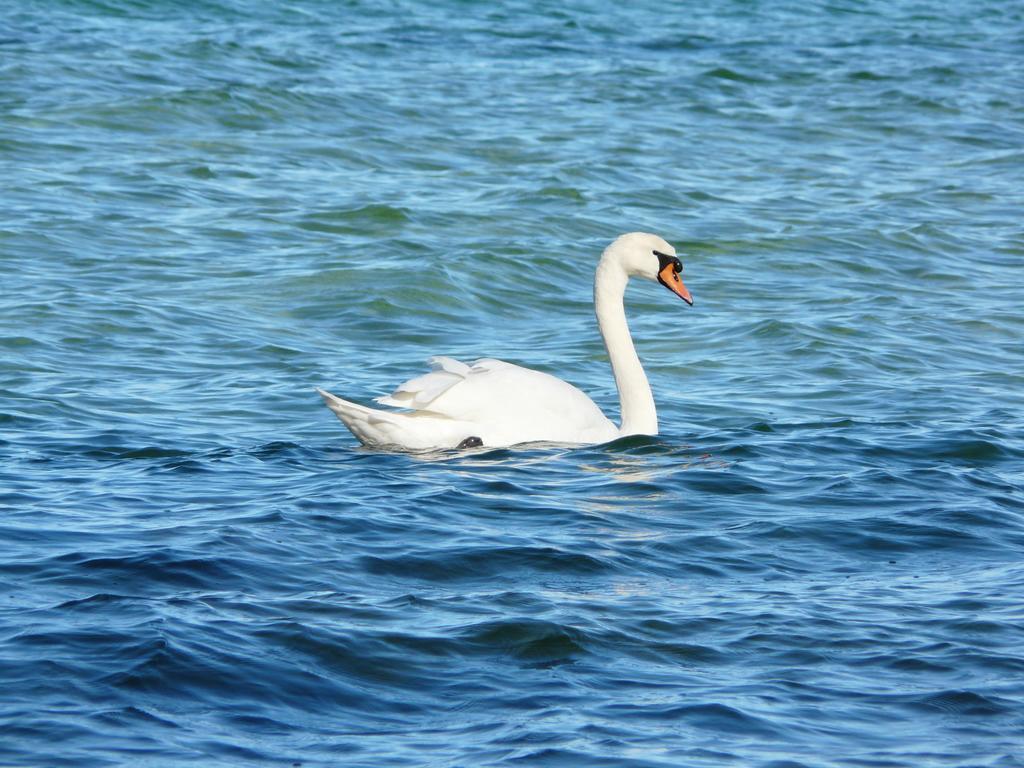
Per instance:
x=639, y=416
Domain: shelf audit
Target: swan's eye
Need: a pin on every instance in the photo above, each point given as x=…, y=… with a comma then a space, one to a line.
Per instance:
x=665, y=261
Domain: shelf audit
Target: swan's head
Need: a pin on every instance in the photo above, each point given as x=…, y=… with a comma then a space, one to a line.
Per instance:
x=645, y=255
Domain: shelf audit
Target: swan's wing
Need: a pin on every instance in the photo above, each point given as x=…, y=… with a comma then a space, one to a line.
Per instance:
x=509, y=404
x=414, y=431
x=420, y=392
x=500, y=403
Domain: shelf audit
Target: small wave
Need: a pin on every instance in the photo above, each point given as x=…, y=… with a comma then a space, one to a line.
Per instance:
x=705, y=715
x=528, y=639
x=962, y=702
x=478, y=563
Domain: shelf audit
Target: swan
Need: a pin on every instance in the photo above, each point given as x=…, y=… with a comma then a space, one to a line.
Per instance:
x=497, y=404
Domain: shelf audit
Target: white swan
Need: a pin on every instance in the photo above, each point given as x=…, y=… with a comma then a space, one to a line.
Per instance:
x=493, y=403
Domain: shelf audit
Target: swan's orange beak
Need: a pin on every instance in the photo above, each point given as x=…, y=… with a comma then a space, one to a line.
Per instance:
x=671, y=280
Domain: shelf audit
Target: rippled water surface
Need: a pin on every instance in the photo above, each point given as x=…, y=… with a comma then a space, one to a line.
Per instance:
x=210, y=208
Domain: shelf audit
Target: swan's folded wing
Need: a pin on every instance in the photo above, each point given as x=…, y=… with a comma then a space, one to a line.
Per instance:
x=420, y=392
x=442, y=363
x=497, y=402
x=487, y=364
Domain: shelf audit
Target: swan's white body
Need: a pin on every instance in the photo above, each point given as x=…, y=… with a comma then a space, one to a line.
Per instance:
x=497, y=402
x=494, y=403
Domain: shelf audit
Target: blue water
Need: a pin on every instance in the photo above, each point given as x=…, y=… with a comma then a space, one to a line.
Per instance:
x=210, y=208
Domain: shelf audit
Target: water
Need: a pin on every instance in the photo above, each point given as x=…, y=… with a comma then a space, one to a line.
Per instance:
x=208, y=209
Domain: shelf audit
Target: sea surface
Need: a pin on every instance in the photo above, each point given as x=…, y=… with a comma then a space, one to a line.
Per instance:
x=208, y=209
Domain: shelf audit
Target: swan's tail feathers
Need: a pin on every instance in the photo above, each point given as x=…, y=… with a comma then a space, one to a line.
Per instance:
x=386, y=428
x=359, y=419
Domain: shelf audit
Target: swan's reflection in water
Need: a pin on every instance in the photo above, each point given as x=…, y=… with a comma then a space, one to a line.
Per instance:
x=646, y=480
x=653, y=467
x=638, y=474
